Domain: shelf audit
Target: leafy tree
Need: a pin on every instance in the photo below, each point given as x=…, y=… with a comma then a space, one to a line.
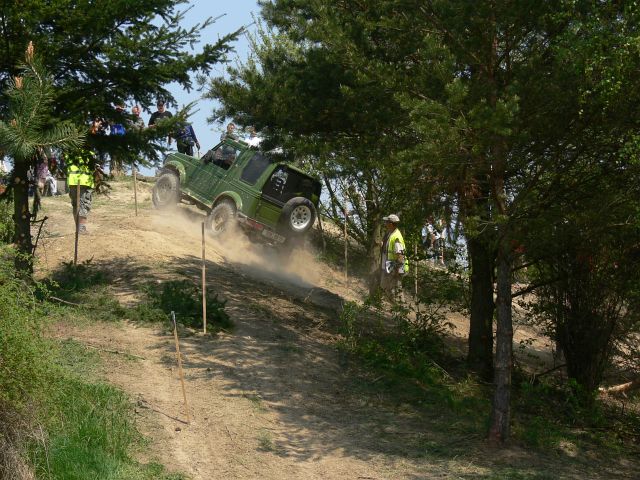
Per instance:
x=485, y=103
x=305, y=91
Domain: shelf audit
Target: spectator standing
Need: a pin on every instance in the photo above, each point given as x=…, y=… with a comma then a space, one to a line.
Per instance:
x=161, y=114
x=394, y=262
x=441, y=235
x=186, y=139
x=136, y=123
x=45, y=180
x=431, y=238
x=42, y=171
x=253, y=139
x=425, y=235
x=80, y=170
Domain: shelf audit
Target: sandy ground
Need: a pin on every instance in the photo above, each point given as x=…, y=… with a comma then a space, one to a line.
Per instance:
x=274, y=399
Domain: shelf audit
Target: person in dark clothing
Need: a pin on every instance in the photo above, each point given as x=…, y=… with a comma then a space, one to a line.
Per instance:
x=160, y=114
x=186, y=139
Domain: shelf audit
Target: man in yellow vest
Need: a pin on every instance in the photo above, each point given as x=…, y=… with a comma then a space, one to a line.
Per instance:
x=80, y=168
x=394, y=261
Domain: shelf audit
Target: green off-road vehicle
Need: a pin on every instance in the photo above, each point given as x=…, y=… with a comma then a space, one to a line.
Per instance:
x=273, y=201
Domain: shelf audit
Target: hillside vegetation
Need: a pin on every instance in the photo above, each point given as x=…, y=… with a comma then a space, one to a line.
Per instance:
x=292, y=381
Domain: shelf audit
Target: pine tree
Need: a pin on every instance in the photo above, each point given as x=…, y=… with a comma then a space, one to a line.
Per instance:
x=28, y=130
x=104, y=53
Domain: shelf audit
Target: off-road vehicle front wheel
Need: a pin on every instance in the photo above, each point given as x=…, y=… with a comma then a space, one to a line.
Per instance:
x=220, y=218
x=166, y=191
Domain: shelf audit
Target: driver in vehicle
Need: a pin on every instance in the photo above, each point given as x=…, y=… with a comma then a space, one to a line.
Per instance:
x=221, y=157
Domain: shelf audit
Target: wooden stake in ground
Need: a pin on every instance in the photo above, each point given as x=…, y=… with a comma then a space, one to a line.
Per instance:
x=415, y=273
x=184, y=391
x=346, y=244
x=204, y=286
x=77, y=215
x=135, y=189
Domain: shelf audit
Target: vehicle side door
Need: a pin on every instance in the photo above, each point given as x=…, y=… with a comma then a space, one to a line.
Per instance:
x=213, y=167
x=249, y=182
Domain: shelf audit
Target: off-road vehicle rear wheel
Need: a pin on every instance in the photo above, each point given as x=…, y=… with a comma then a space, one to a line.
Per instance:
x=298, y=216
x=166, y=191
x=220, y=218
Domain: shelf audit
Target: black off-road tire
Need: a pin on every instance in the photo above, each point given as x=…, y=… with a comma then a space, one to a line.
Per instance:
x=220, y=218
x=298, y=216
x=166, y=191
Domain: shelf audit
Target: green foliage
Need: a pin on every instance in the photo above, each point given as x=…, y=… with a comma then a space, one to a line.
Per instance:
x=90, y=435
x=441, y=287
x=29, y=125
x=518, y=116
x=551, y=414
x=108, y=54
x=24, y=367
x=6, y=221
x=89, y=427
x=397, y=346
x=70, y=278
x=87, y=285
x=185, y=299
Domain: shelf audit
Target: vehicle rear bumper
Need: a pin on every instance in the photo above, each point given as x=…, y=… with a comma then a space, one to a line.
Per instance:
x=256, y=226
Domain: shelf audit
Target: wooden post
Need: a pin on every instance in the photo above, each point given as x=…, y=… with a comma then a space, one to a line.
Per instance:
x=184, y=391
x=77, y=215
x=346, y=244
x=135, y=189
x=415, y=273
x=204, y=285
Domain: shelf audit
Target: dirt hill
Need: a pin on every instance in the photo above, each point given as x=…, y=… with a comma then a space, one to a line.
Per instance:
x=274, y=398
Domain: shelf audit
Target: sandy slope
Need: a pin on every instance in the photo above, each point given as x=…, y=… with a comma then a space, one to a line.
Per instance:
x=274, y=399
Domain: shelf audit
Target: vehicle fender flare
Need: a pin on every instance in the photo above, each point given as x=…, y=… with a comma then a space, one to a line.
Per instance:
x=176, y=167
x=229, y=195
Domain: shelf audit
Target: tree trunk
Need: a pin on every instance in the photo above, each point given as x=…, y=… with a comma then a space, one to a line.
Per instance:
x=22, y=218
x=373, y=252
x=480, y=342
x=499, y=430
x=585, y=339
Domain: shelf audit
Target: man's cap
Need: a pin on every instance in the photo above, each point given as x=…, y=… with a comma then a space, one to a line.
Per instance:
x=393, y=218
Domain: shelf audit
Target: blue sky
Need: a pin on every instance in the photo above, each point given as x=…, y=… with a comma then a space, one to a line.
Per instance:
x=237, y=13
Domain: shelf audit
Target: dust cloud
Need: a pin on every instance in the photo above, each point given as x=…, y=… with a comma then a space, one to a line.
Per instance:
x=183, y=225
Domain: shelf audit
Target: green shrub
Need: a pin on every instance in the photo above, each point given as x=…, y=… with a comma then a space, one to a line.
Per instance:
x=90, y=428
x=6, y=222
x=185, y=299
x=23, y=351
x=24, y=367
x=398, y=345
x=72, y=279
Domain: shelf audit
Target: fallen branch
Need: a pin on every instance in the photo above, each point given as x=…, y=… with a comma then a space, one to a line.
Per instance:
x=622, y=388
x=65, y=302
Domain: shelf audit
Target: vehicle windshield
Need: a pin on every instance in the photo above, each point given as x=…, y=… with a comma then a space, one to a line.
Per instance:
x=255, y=168
x=286, y=183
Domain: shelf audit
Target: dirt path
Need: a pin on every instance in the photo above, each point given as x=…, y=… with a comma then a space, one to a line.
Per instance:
x=274, y=399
